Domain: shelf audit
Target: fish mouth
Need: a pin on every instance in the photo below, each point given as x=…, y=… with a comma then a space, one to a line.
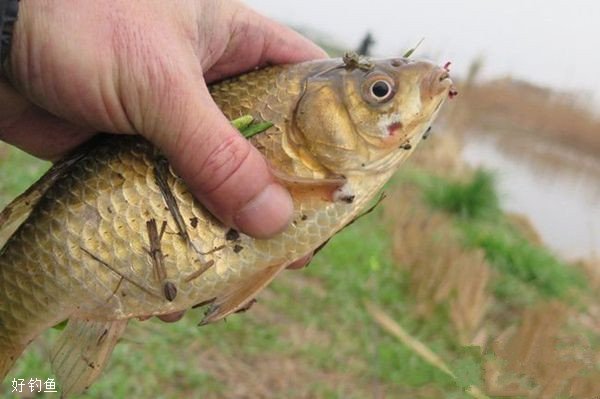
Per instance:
x=439, y=81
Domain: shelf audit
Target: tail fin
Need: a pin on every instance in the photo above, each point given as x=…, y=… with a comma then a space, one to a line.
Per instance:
x=5, y=366
x=8, y=357
x=11, y=218
x=82, y=351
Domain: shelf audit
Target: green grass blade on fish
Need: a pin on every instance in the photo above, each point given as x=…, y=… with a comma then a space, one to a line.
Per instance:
x=248, y=127
x=255, y=128
x=412, y=50
x=242, y=122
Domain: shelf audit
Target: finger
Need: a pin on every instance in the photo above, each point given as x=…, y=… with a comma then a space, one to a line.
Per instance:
x=34, y=130
x=223, y=170
x=300, y=263
x=43, y=135
x=258, y=41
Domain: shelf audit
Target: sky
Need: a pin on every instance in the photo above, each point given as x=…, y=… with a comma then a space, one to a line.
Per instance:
x=553, y=43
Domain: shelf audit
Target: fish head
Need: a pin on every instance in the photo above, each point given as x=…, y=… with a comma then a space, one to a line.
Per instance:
x=366, y=116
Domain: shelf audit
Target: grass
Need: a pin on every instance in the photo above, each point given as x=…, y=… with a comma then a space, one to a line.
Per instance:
x=533, y=265
x=18, y=170
x=523, y=265
x=475, y=198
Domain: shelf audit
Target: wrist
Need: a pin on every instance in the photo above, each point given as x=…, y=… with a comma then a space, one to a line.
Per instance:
x=8, y=16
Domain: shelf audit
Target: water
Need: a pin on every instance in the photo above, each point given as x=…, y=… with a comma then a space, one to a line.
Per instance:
x=558, y=190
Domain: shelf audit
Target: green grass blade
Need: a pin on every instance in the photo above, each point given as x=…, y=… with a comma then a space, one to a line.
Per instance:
x=412, y=50
x=248, y=127
x=242, y=122
x=255, y=128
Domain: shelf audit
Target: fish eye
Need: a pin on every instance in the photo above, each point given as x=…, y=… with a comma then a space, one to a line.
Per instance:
x=381, y=89
x=378, y=89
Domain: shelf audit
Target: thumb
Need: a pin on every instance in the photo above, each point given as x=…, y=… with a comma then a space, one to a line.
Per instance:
x=224, y=171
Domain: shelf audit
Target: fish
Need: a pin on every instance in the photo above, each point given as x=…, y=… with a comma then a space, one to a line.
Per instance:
x=111, y=233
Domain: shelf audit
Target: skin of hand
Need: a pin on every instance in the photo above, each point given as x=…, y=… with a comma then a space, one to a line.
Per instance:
x=142, y=67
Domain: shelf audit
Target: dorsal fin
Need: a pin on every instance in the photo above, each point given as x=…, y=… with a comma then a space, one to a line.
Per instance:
x=15, y=213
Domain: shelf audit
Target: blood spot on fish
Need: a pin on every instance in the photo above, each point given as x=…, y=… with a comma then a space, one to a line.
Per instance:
x=393, y=128
x=194, y=222
x=232, y=235
x=237, y=248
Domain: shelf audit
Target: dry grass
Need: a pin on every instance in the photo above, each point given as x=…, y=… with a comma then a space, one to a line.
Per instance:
x=442, y=271
x=392, y=327
x=440, y=155
x=272, y=376
x=543, y=357
x=516, y=107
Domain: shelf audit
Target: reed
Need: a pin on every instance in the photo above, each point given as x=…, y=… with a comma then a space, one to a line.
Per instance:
x=442, y=272
x=515, y=107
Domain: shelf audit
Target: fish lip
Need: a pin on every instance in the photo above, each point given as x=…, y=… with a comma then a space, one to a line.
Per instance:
x=439, y=81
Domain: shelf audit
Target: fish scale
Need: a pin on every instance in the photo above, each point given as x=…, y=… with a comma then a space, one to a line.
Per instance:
x=88, y=248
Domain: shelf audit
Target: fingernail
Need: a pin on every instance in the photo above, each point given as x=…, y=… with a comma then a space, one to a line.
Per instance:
x=266, y=214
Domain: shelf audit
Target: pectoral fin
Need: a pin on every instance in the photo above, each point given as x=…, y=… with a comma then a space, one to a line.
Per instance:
x=299, y=187
x=241, y=295
x=82, y=351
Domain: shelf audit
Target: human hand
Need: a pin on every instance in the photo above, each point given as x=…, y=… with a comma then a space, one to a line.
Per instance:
x=142, y=68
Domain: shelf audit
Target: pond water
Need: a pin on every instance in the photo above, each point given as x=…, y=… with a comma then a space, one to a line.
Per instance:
x=556, y=188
